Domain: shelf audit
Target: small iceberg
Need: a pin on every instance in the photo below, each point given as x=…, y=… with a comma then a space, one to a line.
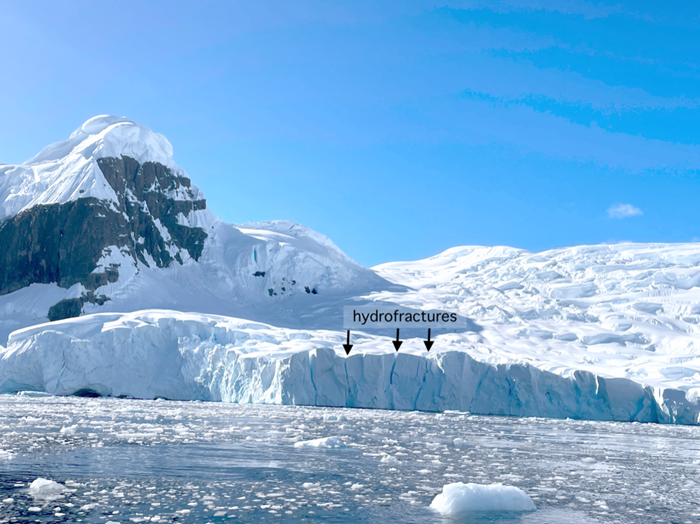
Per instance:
x=463, y=498
x=70, y=430
x=326, y=442
x=46, y=489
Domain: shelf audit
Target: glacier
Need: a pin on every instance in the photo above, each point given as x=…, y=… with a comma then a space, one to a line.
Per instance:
x=187, y=356
x=602, y=332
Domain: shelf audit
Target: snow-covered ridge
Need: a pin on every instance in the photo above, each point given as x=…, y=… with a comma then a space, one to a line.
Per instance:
x=106, y=136
x=624, y=310
x=68, y=170
x=284, y=231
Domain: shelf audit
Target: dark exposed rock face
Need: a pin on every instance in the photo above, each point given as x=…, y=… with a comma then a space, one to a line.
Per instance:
x=56, y=243
x=63, y=243
x=144, y=193
x=68, y=308
x=72, y=307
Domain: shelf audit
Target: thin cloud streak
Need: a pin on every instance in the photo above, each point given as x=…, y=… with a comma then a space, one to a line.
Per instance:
x=620, y=211
x=588, y=10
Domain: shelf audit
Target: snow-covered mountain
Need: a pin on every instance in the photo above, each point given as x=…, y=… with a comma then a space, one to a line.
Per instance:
x=107, y=221
x=608, y=332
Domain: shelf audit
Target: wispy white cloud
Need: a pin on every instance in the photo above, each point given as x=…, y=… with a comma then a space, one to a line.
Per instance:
x=518, y=128
x=568, y=7
x=527, y=130
x=623, y=211
x=516, y=80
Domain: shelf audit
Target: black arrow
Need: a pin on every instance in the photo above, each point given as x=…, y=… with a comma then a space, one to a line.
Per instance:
x=397, y=343
x=348, y=346
x=428, y=343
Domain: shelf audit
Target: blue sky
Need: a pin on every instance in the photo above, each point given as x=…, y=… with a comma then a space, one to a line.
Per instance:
x=398, y=129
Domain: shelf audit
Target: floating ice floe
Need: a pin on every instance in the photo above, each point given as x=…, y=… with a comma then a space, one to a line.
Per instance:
x=46, y=489
x=326, y=442
x=69, y=430
x=459, y=498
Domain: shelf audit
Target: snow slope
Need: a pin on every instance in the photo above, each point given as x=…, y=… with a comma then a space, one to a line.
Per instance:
x=625, y=310
x=299, y=272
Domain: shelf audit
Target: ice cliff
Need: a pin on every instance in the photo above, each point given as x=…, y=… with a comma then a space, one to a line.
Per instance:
x=161, y=354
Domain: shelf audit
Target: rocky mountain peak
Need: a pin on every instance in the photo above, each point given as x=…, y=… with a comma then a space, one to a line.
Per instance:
x=68, y=170
x=82, y=208
x=106, y=221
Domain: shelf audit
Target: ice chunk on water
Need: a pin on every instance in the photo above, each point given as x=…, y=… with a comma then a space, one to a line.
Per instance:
x=46, y=489
x=326, y=442
x=462, y=498
x=332, y=417
x=33, y=394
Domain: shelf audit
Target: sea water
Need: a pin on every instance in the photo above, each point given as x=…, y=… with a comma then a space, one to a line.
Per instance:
x=123, y=461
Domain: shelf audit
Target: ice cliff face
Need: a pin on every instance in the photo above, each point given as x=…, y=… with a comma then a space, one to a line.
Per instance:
x=159, y=354
x=106, y=220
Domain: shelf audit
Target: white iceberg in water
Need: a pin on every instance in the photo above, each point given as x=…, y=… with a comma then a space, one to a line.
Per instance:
x=46, y=489
x=326, y=442
x=463, y=498
x=69, y=430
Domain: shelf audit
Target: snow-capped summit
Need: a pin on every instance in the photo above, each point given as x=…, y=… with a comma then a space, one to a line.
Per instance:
x=66, y=171
x=111, y=136
x=107, y=221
